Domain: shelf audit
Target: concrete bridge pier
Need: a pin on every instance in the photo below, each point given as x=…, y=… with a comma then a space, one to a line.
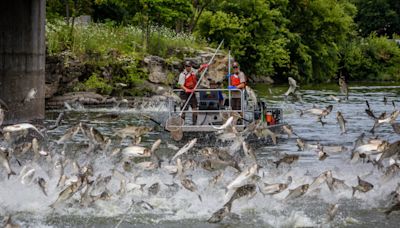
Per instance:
x=22, y=58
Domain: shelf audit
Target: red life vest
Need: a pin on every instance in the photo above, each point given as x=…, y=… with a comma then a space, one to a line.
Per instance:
x=235, y=80
x=190, y=80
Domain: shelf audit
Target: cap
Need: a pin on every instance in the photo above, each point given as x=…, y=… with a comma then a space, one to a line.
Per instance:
x=235, y=64
x=188, y=63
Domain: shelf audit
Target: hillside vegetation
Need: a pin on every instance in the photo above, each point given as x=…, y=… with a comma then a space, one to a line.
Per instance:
x=311, y=41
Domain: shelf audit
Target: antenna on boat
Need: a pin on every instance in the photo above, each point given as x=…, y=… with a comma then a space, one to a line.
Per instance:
x=229, y=79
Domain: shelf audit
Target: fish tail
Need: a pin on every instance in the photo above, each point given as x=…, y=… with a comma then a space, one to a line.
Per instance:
x=12, y=173
x=19, y=163
x=52, y=206
x=387, y=213
x=142, y=187
x=237, y=167
x=301, y=113
x=273, y=137
x=372, y=131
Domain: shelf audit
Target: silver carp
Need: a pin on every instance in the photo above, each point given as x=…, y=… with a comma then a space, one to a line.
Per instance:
x=30, y=96
x=185, y=148
x=288, y=159
x=363, y=186
x=4, y=161
x=297, y=192
x=342, y=122
x=271, y=189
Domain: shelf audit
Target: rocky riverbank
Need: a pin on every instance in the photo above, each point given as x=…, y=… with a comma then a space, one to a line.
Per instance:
x=105, y=80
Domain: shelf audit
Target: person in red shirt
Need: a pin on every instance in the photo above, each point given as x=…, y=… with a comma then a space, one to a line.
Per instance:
x=187, y=81
x=238, y=81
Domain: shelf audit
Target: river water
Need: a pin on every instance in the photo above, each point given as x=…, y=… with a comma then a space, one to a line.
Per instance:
x=179, y=207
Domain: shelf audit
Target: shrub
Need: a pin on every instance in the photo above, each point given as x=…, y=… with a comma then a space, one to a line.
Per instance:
x=373, y=58
x=98, y=84
x=100, y=38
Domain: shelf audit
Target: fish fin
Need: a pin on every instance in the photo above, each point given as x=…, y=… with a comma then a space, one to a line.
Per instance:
x=372, y=131
x=142, y=187
x=236, y=166
x=174, y=175
x=367, y=103
x=273, y=137
x=12, y=173
x=277, y=163
x=301, y=113
x=354, y=190
x=320, y=120
x=201, y=200
x=387, y=213
x=19, y=163
x=52, y=206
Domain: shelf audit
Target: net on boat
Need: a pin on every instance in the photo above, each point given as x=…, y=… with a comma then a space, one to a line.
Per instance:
x=174, y=125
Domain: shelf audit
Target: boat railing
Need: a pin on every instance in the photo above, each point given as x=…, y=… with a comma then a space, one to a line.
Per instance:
x=209, y=101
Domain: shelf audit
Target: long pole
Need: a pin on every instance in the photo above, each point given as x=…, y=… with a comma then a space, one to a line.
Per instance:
x=229, y=79
x=201, y=77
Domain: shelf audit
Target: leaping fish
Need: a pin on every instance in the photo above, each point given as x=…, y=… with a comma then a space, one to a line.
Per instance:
x=185, y=148
x=5, y=163
x=243, y=176
x=225, y=125
x=30, y=96
x=21, y=127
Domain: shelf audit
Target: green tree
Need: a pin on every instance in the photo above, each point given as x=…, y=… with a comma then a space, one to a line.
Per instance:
x=160, y=13
x=318, y=28
x=253, y=30
x=379, y=16
x=198, y=7
x=373, y=58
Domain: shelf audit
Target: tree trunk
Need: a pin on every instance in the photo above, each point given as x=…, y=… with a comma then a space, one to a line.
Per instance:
x=195, y=18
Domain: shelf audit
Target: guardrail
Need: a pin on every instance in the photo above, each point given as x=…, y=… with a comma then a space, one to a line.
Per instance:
x=198, y=91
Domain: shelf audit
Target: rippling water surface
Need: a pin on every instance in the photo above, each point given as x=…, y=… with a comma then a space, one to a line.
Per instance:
x=174, y=207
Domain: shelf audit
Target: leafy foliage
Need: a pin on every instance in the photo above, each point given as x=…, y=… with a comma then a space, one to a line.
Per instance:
x=373, y=58
x=319, y=28
x=381, y=17
x=310, y=40
x=99, y=39
x=251, y=30
x=98, y=84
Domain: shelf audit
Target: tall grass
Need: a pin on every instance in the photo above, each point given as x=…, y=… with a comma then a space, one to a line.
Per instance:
x=101, y=38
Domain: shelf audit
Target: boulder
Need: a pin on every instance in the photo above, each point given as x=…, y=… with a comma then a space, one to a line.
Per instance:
x=261, y=79
x=156, y=69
